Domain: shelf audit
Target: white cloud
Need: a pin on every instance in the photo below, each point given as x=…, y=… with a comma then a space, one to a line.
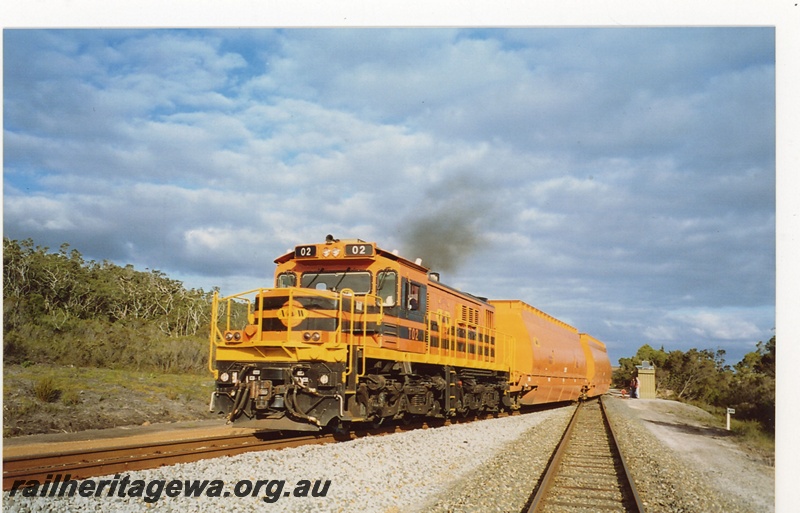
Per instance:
x=717, y=325
x=201, y=240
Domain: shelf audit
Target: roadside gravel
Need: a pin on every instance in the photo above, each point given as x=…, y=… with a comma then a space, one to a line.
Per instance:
x=682, y=464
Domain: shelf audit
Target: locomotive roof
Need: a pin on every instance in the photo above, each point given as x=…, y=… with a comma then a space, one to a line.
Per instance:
x=391, y=256
x=382, y=252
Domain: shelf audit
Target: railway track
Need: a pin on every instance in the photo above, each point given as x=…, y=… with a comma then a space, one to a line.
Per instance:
x=81, y=464
x=587, y=473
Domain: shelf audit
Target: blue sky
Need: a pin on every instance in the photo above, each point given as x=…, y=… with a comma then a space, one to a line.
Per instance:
x=620, y=179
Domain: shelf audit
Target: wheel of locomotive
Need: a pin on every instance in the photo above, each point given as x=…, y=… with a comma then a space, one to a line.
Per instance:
x=436, y=409
x=435, y=422
x=377, y=422
x=339, y=428
x=456, y=411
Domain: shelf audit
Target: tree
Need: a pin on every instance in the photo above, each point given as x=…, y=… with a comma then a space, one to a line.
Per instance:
x=752, y=389
x=703, y=376
x=655, y=357
x=693, y=374
x=59, y=308
x=627, y=366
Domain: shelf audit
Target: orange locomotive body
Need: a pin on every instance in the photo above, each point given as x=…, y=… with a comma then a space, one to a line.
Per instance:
x=353, y=333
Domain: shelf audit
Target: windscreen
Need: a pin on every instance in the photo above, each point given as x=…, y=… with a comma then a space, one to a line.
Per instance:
x=358, y=281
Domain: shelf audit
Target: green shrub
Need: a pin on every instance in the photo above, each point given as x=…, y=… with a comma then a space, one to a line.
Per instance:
x=45, y=390
x=749, y=429
x=59, y=309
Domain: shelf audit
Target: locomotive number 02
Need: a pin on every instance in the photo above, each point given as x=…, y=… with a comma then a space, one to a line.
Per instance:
x=358, y=250
x=305, y=251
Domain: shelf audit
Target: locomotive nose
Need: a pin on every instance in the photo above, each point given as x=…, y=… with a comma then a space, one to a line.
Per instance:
x=292, y=313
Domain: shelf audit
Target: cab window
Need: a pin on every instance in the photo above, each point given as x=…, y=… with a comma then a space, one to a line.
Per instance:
x=286, y=280
x=387, y=288
x=357, y=281
x=414, y=296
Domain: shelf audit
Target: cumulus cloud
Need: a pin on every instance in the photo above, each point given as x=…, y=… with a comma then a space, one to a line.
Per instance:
x=718, y=325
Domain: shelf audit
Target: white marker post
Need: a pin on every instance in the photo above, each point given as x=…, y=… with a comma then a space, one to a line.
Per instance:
x=731, y=411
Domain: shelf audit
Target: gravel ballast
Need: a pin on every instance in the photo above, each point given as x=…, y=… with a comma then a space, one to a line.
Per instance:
x=399, y=472
x=485, y=466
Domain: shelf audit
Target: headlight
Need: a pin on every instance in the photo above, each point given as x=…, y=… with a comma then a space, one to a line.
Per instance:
x=224, y=376
x=323, y=379
x=315, y=337
x=233, y=336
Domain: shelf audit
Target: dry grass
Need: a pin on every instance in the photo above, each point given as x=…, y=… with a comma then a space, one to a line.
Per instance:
x=46, y=398
x=45, y=389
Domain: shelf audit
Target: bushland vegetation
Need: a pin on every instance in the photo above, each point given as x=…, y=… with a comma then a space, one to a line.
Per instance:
x=702, y=377
x=59, y=309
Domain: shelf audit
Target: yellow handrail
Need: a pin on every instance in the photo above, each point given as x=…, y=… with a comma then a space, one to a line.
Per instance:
x=361, y=310
x=366, y=300
x=211, y=339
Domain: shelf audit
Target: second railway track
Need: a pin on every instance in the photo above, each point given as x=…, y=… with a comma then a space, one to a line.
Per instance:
x=112, y=459
x=587, y=472
x=81, y=464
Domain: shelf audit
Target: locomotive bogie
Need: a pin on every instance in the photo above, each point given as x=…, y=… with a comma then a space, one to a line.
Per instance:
x=279, y=395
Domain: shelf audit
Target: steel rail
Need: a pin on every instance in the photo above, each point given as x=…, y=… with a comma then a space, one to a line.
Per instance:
x=631, y=501
x=108, y=460
x=80, y=464
x=547, y=481
x=628, y=474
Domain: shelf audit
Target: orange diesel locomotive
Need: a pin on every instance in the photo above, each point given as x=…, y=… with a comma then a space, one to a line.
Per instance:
x=353, y=333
